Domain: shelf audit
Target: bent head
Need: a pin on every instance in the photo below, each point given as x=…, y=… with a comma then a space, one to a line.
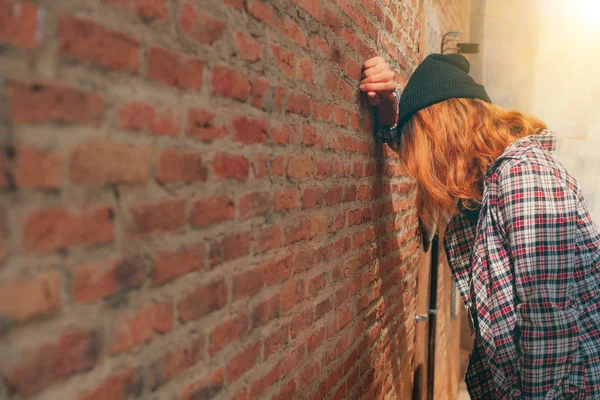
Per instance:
x=447, y=147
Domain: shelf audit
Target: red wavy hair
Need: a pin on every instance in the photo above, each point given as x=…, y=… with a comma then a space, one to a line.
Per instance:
x=448, y=146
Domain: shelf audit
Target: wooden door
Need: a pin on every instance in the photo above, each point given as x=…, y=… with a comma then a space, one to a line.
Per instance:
x=421, y=365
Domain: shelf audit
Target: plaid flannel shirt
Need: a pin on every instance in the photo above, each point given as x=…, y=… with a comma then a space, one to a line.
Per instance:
x=532, y=252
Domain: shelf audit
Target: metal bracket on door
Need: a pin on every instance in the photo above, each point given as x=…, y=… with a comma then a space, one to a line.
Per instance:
x=424, y=317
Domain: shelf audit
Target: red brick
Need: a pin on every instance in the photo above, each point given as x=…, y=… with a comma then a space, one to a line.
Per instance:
x=204, y=388
x=299, y=166
x=278, y=166
x=37, y=367
x=298, y=103
x=212, y=209
x=174, y=361
x=19, y=24
x=310, y=137
x=230, y=166
x=57, y=228
x=169, y=265
x=201, y=125
x=323, y=308
x=243, y=361
x=334, y=195
x=312, y=197
x=37, y=169
x=227, y=332
x=347, y=92
x=275, y=341
x=313, y=7
x=282, y=135
x=102, y=162
x=162, y=216
x=288, y=391
x=139, y=116
x=323, y=168
x=174, y=69
x=315, y=340
x=321, y=111
x=317, y=43
x=292, y=359
x=300, y=322
x=285, y=59
x=331, y=82
x=349, y=37
x=146, y=9
x=176, y=166
x=297, y=231
x=230, y=248
x=96, y=280
x=86, y=40
x=202, y=301
x=291, y=294
x=263, y=12
x=200, y=26
x=293, y=31
x=338, y=221
x=42, y=294
x=268, y=239
x=305, y=70
x=278, y=98
x=255, y=203
x=265, y=311
x=249, y=130
x=138, y=328
x=285, y=200
x=46, y=102
x=317, y=284
x=258, y=92
x=230, y=83
x=259, y=386
x=332, y=20
x=118, y=386
x=249, y=48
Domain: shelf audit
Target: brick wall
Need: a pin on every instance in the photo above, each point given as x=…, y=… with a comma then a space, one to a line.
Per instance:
x=192, y=205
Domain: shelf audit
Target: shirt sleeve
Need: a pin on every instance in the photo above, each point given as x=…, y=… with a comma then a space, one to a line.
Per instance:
x=537, y=213
x=389, y=134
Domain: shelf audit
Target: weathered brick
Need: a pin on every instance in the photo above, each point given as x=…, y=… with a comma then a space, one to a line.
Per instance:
x=298, y=103
x=43, y=294
x=162, y=216
x=212, y=209
x=299, y=167
x=174, y=361
x=37, y=168
x=202, y=301
x=230, y=83
x=204, y=388
x=118, y=386
x=263, y=12
x=174, y=69
x=42, y=364
x=86, y=40
x=138, y=327
x=285, y=59
x=169, y=265
x=249, y=130
x=201, y=125
x=19, y=23
x=249, y=48
x=146, y=9
x=255, y=203
x=230, y=166
x=102, y=162
x=227, y=332
x=178, y=166
x=57, y=228
x=243, y=361
x=39, y=102
x=138, y=116
x=200, y=26
x=96, y=280
x=229, y=248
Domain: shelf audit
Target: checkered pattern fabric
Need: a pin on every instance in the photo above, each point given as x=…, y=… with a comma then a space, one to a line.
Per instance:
x=528, y=260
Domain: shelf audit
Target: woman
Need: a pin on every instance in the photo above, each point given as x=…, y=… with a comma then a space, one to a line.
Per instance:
x=519, y=238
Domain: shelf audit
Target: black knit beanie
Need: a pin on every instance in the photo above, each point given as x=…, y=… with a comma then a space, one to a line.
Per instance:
x=439, y=77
